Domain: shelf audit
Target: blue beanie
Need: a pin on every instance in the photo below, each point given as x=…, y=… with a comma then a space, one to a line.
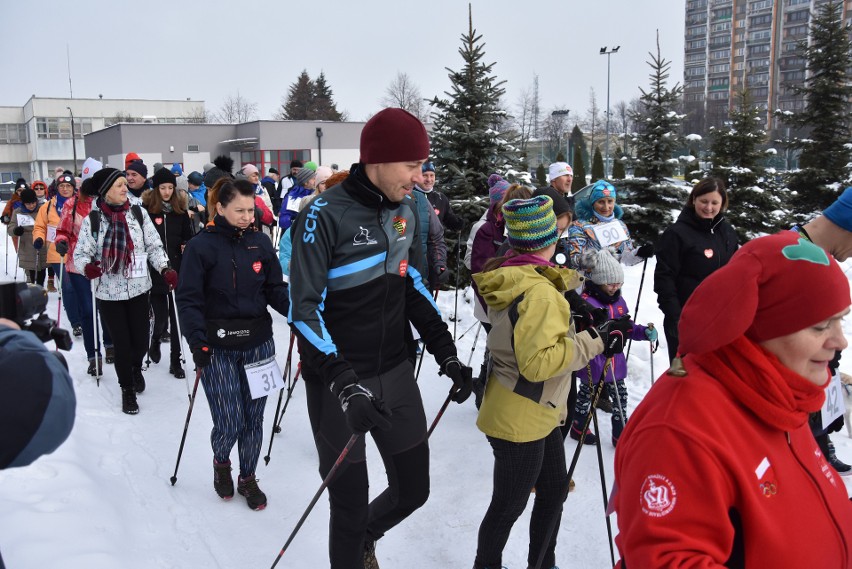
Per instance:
x=176, y=169
x=428, y=167
x=840, y=212
x=600, y=190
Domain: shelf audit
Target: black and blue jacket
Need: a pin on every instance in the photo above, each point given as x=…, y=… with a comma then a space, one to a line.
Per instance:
x=353, y=284
x=228, y=274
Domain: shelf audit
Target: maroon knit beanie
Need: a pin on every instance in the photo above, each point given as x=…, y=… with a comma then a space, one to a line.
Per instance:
x=393, y=135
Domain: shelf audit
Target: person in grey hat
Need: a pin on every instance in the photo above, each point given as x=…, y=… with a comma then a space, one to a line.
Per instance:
x=305, y=184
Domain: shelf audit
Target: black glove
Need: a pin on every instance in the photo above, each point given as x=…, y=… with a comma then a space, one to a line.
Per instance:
x=38, y=243
x=585, y=315
x=461, y=375
x=5, y=220
x=614, y=334
x=443, y=275
x=363, y=410
x=202, y=355
x=18, y=231
x=62, y=248
x=645, y=251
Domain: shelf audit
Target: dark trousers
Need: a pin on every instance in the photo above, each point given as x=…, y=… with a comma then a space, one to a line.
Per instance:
x=83, y=292
x=36, y=277
x=670, y=329
x=404, y=451
x=69, y=296
x=572, y=403
x=518, y=467
x=128, y=322
x=237, y=418
x=164, y=313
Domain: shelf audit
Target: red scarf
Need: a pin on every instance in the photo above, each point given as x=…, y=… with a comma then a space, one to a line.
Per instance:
x=117, y=252
x=757, y=379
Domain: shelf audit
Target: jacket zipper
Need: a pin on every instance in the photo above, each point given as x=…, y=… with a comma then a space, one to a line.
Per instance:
x=385, y=302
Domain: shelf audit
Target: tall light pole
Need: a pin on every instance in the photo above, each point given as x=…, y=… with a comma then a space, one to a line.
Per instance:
x=73, y=142
x=563, y=113
x=607, y=53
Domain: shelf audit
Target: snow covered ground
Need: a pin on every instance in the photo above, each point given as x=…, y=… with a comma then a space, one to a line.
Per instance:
x=103, y=500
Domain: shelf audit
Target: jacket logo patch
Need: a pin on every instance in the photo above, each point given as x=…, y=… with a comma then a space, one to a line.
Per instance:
x=765, y=478
x=403, y=268
x=399, y=225
x=708, y=253
x=824, y=467
x=658, y=496
x=363, y=237
x=158, y=220
x=257, y=265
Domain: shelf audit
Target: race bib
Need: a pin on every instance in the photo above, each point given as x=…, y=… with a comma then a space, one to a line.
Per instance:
x=25, y=220
x=609, y=233
x=294, y=203
x=51, y=233
x=264, y=377
x=834, y=405
x=139, y=268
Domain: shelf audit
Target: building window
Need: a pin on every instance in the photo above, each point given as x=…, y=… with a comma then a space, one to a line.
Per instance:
x=758, y=63
x=694, y=57
x=797, y=2
x=719, y=96
x=696, y=44
x=696, y=4
x=758, y=49
x=13, y=134
x=696, y=31
x=278, y=159
x=722, y=68
x=695, y=71
x=760, y=35
x=54, y=128
x=796, y=31
x=760, y=20
x=798, y=16
x=720, y=54
x=722, y=26
x=694, y=97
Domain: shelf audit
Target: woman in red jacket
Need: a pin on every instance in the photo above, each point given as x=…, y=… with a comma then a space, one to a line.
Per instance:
x=719, y=468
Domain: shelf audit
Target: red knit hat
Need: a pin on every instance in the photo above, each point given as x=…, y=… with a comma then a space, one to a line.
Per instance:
x=131, y=156
x=394, y=135
x=773, y=286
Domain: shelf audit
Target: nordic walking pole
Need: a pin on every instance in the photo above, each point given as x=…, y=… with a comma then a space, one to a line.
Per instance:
x=603, y=477
x=576, y=457
x=59, y=304
x=173, y=479
x=17, y=260
x=441, y=412
x=458, y=272
x=288, y=364
x=325, y=482
x=472, y=326
x=277, y=426
x=473, y=347
x=636, y=312
x=180, y=343
x=7, y=254
x=96, y=337
x=652, y=350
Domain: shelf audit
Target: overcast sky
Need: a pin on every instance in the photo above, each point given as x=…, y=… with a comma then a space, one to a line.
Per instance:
x=209, y=50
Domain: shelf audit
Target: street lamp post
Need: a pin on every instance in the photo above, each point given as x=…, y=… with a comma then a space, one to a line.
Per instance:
x=73, y=141
x=608, y=53
x=319, y=143
x=564, y=113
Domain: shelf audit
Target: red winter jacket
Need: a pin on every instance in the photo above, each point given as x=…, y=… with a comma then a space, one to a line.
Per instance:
x=707, y=479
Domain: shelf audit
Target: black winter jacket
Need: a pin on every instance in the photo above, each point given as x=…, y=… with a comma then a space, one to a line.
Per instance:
x=228, y=275
x=441, y=204
x=353, y=285
x=175, y=230
x=687, y=253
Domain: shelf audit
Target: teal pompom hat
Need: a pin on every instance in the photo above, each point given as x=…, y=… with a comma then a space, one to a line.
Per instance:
x=531, y=223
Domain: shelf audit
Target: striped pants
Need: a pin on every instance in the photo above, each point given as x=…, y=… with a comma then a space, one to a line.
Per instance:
x=236, y=416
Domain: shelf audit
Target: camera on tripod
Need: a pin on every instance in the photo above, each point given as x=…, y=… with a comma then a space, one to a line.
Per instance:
x=21, y=302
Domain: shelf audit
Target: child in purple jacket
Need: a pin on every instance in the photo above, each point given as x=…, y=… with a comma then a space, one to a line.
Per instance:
x=603, y=290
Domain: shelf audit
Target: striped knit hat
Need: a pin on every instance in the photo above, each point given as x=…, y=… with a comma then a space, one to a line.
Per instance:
x=531, y=223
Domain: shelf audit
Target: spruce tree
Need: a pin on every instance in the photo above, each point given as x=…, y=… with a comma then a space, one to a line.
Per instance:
x=825, y=118
x=579, y=141
x=618, y=165
x=324, y=107
x=299, y=100
x=737, y=157
x=541, y=175
x=597, y=166
x=579, y=181
x=657, y=137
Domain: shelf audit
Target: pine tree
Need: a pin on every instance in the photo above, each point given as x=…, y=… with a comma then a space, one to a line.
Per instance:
x=825, y=117
x=579, y=181
x=297, y=105
x=560, y=157
x=657, y=137
x=541, y=175
x=737, y=158
x=597, y=166
x=579, y=141
x=324, y=107
x=618, y=165
x=466, y=144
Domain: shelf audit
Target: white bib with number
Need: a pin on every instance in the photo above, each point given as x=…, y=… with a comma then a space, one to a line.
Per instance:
x=139, y=268
x=264, y=377
x=609, y=233
x=25, y=220
x=294, y=203
x=835, y=404
x=51, y=233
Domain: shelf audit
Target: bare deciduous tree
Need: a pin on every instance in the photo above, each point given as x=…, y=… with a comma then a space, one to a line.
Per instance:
x=235, y=109
x=405, y=94
x=592, y=124
x=198, y=115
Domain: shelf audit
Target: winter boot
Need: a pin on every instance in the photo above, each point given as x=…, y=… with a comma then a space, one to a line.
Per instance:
x=604, y=403
x=841, y=467
x=77, y=331
x=222, y=481
x=110, y=355
x=93, y=370
x=50, y=285
x=128, y=402
x=154, y=350
x=166, y=337
x=370, y=561
x=576, y=433
x=176, y=369
x=255, y=498
x=138, y=380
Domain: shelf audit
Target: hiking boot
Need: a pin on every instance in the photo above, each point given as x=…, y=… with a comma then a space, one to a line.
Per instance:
x=50, y=285
x=604, y=404
x=841, y=467
x=154, y=350
x=110, y=355
x=177, y=371
x=94, y=371
x=222, y=481
x=128, y=402
x=138, y=380
x=370, y=561
x=576, y=433
x=77, y=331
x=255, y=498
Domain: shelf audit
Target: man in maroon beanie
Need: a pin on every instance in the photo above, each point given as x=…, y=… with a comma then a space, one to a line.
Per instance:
x=353, y=293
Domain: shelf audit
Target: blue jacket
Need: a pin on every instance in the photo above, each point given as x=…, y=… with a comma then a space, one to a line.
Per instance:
x=289, y=207
x=227, y=274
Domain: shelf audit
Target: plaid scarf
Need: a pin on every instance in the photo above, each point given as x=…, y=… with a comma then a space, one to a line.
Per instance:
x=117, y=252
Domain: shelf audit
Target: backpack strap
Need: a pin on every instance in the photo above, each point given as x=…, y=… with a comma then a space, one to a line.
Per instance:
x=95, y=218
